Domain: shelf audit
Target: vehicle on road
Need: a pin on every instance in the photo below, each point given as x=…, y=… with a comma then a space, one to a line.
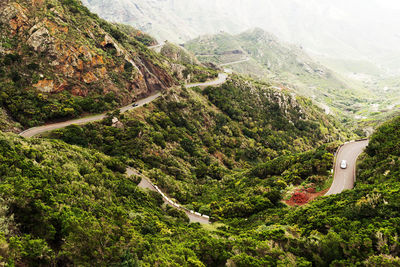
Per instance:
x=343, y=164
x=134, y=105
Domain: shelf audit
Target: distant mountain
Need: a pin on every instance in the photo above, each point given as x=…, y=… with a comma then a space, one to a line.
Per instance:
x=356, y=30
x=260, y=54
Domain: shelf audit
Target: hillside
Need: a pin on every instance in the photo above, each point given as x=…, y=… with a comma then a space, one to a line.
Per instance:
x=58, y=60
x=254, y=153
x=70, y=206
x=195, y=143
x=67, y=206
x=186, y=67
x=287, y=65
x=59, y=200
x=381, y=162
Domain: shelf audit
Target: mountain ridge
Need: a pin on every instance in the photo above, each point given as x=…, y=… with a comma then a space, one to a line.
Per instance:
x=262, y=55
x=323, y=28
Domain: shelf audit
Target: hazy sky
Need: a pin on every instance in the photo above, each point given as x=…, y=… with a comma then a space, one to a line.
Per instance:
x=342, y=28
x=351, y=29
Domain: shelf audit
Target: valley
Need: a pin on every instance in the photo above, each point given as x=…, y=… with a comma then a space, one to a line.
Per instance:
x=232, y=148
x=261, y=55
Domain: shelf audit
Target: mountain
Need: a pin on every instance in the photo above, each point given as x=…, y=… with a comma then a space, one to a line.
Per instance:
x=58, y=60
x=195, y=143
x=327, y=29
x=242, y=151
x=260, y=54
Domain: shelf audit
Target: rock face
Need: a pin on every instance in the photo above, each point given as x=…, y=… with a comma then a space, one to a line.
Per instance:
x=46, y=86
x=39, y=38
x=78, y=52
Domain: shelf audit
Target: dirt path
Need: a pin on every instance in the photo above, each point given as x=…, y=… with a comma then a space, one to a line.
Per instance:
x=145, y=183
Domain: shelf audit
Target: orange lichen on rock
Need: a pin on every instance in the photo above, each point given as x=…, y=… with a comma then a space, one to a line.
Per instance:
x=19, y=20
x=37, y=3
x=97, y=60
x=78, y=91
x=61, y=87
x=79, y=65
x=102, y=71
x=46, y=86
x=89, y=77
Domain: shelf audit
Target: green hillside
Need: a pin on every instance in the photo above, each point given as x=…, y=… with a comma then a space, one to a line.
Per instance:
x=360, y=226
x=198, y=145
x=286, y=65
x=239, y=152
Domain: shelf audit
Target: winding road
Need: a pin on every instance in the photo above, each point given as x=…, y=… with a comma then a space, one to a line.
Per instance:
x=235, y=62
x=220, y=80
x=157, y=48
x=344, y=178
x=54, y=126
x=145, y=182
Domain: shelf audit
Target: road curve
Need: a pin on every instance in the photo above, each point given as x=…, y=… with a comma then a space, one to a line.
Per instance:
x=235, y=62
x=157, y=48
x=220, y=80
x=344, y=178
x=54, y=126
x=145, y=183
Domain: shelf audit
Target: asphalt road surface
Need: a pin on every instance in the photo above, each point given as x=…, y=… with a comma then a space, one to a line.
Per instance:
x=220, y=80
x=235, y=62
x=54, y=126
x=344, y=178
x=157, y=48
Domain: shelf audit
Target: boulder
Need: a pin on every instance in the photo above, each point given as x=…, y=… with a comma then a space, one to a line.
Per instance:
x=39, y=39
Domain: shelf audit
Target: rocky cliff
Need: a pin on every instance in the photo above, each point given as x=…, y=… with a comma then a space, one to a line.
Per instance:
x=58, y=52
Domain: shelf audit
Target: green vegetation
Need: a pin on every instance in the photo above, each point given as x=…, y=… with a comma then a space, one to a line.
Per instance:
x=287, y=66
x=72, y=206
x=71, y=63
x=65, y=205
x=232, y=152
x=199, y=146
x=381, y=162
x=193, y=71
